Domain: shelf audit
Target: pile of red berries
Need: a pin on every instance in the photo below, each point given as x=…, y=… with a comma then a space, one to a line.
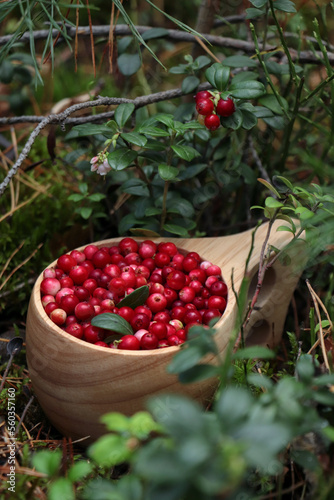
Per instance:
x=182, y=291
x=210, y=105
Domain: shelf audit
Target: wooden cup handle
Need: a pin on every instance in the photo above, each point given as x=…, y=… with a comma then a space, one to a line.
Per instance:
x=266, y=322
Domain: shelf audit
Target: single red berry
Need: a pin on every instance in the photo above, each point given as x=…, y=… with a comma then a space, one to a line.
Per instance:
x=156, y=302
x=143, y=310
x=161, y=259
x=58, y=316
x=171, y=296
x=176, y=280
x=225, y=107
x=66, y=282
x=217, y=302
x=162, y=316
x=147, y=249
x=118, y=286
x=129, y=342
x=168, y=247
x=90, y=284
x=187, y=294
x=126, y=312
x=219, y=288
x=78, y=256
x=133, y=258
x=68, y=303
x=204, y=107
x=84, y=311
x=212, y=122
x=101, y=259
x=50, y=286
x=66, y=262
x=149, y=341
x=140, y=321
x=51, y=306
x=211, y=314
x=189, y=263
x=74, y=329
x=101, y=343
x=174, y=340
x=159, y=329
x=127, y=245
x=90, y=250
x=202, y=94
x=46, y=299
x=93, y=334
x=79, y=274
x=192, y=317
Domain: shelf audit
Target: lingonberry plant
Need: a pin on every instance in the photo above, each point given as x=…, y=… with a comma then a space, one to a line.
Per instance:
x=148, y=293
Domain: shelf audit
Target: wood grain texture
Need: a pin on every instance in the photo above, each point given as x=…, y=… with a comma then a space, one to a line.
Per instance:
x=77, y=382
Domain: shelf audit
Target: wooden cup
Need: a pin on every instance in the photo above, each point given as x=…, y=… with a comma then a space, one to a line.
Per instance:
x=76, y=382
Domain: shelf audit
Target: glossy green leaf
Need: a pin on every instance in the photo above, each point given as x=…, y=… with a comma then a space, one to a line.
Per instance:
x=110, y=450
x=175, y=229
x=136, y=187
x=136, y=298
x=185, y=152
x=284, y=5
x=270, y=202
x=121, y=158
x=61, y=488
x=269, y=186
x=167, y=172
x=123, y=113
x=129, y=64
x=134, y=138
x=218, y=75
x=234, y=121
x=259, y=3
x=189, y=84
x=112, y=322
x=249, y=120
x=270, y=102
x=87, y=129
x=252, y=13
x=247, y=90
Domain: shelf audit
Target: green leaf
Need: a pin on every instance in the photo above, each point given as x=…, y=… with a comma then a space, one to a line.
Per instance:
x=61, y=488
x=249, y=120
x=141, y=425
x=186, y=358
x=136, y=187
x=96, y=197
x=129, y=64
x=123, y=113
x=239, y=62
x=245, y=76
x=259, y=3
x=147, y=233
x=304, y=213
x=87, y=129
x=284, y=5
x=269, y=186
x=270, y=102
x=251, y=13
x=76, y=197
x=152, y=211
x=276, y=122
x=110, y=450
x=86, y=212
x=167, y=172
x=153, y=131
x=189, y=84
x=121, y=158
x=136, y=298
x=185, y=152
x=270, y=202
x=116, y=422
x=254, y=352
x=181, y=206
x=134, y=138
x=247, y=90
x=324, y=323
x=234, y=121
x=174, y=229
x=218, y=75
x=47, y=461
x=113, y=322
x=198, y=373
x=79, y=470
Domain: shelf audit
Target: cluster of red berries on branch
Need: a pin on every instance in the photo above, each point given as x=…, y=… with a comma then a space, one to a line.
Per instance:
x=180, y=291
x=210, y=105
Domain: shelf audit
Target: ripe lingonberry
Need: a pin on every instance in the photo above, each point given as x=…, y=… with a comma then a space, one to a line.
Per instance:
x=156, y=302
x=127, y=313
x=147, y=249
x=58, y=316
x=176, y=280
x=75, y=329
x=140, y=321
x=129, y=342
x=217, y=302
x=204, y=107
x=149, y=341
x=66, y=262
x=128, y=245
x=84, y=311
x=212, y=122
x=211, y=314
x=159, y=329
x=50, y=286
x=225, y=107
x=202, y=94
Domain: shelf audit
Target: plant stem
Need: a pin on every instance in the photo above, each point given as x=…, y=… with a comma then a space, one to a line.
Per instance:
x=292, y=121
x=270, y=83
x=284, y=45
